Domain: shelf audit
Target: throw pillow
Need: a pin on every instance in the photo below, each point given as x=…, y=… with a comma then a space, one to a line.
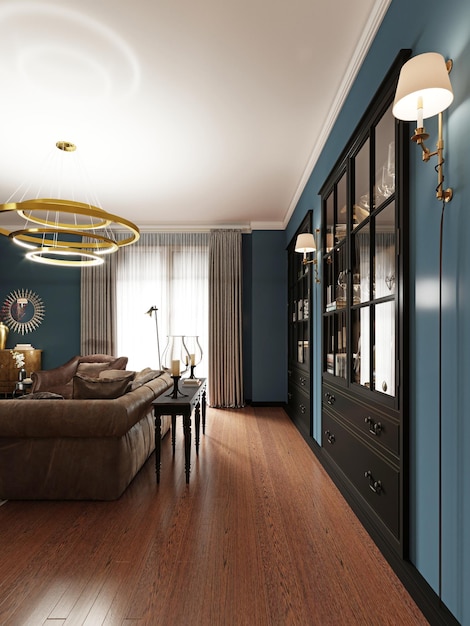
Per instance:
x=88, y=388
x=41, y=395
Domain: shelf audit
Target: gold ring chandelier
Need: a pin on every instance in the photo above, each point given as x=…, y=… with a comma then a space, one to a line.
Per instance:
x=66, y=232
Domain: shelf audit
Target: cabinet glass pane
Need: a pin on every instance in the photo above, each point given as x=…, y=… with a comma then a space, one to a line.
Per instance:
x=342, y=212
x=384, y=158
x=361, y=346
x=361, y=265
x=341, y=346
x=330, y=287
x=385, y=270
x=385, y=348
x=361, y=177
x=329, y=343
x=341, y=278
x=330, y=221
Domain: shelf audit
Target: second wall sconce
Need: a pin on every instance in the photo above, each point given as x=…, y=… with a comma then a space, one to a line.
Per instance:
x=305, y=244
x=424, y=90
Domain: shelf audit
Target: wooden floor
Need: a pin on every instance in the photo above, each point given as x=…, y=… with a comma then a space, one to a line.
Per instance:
x=260, y=537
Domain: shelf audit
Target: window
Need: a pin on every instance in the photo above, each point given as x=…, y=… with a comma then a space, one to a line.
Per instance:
x=168, y=271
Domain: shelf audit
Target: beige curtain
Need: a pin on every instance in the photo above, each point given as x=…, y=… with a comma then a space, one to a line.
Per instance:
x=98, y=308
x=225, y=319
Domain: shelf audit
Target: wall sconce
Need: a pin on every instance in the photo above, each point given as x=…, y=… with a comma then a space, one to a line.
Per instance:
x=305, y=244
x=424, y=90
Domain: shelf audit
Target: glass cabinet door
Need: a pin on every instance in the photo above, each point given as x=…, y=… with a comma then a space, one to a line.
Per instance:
x=360, y=264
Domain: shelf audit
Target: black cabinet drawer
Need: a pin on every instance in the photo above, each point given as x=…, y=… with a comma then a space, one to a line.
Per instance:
x=299, y=408
x=300, y=378
x=375, y=478
x=379, y=428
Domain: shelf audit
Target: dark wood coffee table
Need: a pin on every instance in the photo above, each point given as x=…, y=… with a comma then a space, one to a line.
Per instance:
x=194, y=399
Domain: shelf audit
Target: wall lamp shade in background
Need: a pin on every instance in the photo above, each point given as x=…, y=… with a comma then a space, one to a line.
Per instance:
x=424, y=90
x=305, y=243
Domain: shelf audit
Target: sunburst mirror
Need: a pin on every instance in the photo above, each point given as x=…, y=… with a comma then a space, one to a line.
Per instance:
x=23, y=311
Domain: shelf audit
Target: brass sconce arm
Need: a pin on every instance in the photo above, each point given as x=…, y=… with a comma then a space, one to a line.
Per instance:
x=419, y=137
x=424, y=90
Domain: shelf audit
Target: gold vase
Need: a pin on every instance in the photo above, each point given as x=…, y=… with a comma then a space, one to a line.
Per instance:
x=4, y=330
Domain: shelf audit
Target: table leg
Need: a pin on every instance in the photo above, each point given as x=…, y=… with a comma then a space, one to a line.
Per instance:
x=197, y=422
x=173, y=433
x=158, y=443
x=187, y=444
x=204, y=411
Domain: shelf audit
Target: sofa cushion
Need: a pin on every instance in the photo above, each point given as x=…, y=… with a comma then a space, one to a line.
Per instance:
x=87, y=387
x=145, y=376
x=109, y=374
x=92, y=370
x=41, y=395
x=117, y=363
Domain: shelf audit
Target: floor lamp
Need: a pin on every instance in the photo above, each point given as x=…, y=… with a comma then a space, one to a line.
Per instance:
x=153, y=309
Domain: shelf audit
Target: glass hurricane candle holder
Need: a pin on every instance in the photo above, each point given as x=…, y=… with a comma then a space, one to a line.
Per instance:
x=175, y=350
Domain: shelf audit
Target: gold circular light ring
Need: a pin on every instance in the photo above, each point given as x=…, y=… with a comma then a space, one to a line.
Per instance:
x=94, y=212
x=66, y=146
x=88, y=259
x=25, y=237
x=58, y=205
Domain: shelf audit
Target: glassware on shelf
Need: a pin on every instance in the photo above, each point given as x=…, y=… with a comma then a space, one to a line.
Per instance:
x=341, y=292
x=356, y=288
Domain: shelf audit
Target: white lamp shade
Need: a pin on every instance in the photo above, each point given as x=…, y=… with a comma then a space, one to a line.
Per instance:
x=424, y=78
x=305, y=243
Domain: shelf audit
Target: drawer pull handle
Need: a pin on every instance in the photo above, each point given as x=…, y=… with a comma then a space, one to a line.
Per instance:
x=302, y=380
x=331, y=438
x=330, y=398
x=302, y=408
x=375, y=485
x=374, y=427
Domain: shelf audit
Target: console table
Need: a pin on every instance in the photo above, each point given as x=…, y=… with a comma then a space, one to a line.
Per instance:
x=194, y=399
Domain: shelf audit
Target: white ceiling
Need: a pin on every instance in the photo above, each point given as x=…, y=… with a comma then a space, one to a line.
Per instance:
x=184, y=112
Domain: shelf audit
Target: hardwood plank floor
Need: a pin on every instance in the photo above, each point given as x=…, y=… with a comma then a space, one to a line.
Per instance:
x=260, y=537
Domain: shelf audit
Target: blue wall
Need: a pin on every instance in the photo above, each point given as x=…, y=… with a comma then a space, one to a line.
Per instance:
x=59, y=289
x=424, y=27
x=430, y=26
x=268, y=277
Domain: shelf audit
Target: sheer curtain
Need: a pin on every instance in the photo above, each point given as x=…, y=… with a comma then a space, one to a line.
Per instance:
x=170, y=272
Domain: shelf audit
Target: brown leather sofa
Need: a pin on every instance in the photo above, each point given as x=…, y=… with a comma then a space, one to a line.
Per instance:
x=60, y=379
x=77, y=449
